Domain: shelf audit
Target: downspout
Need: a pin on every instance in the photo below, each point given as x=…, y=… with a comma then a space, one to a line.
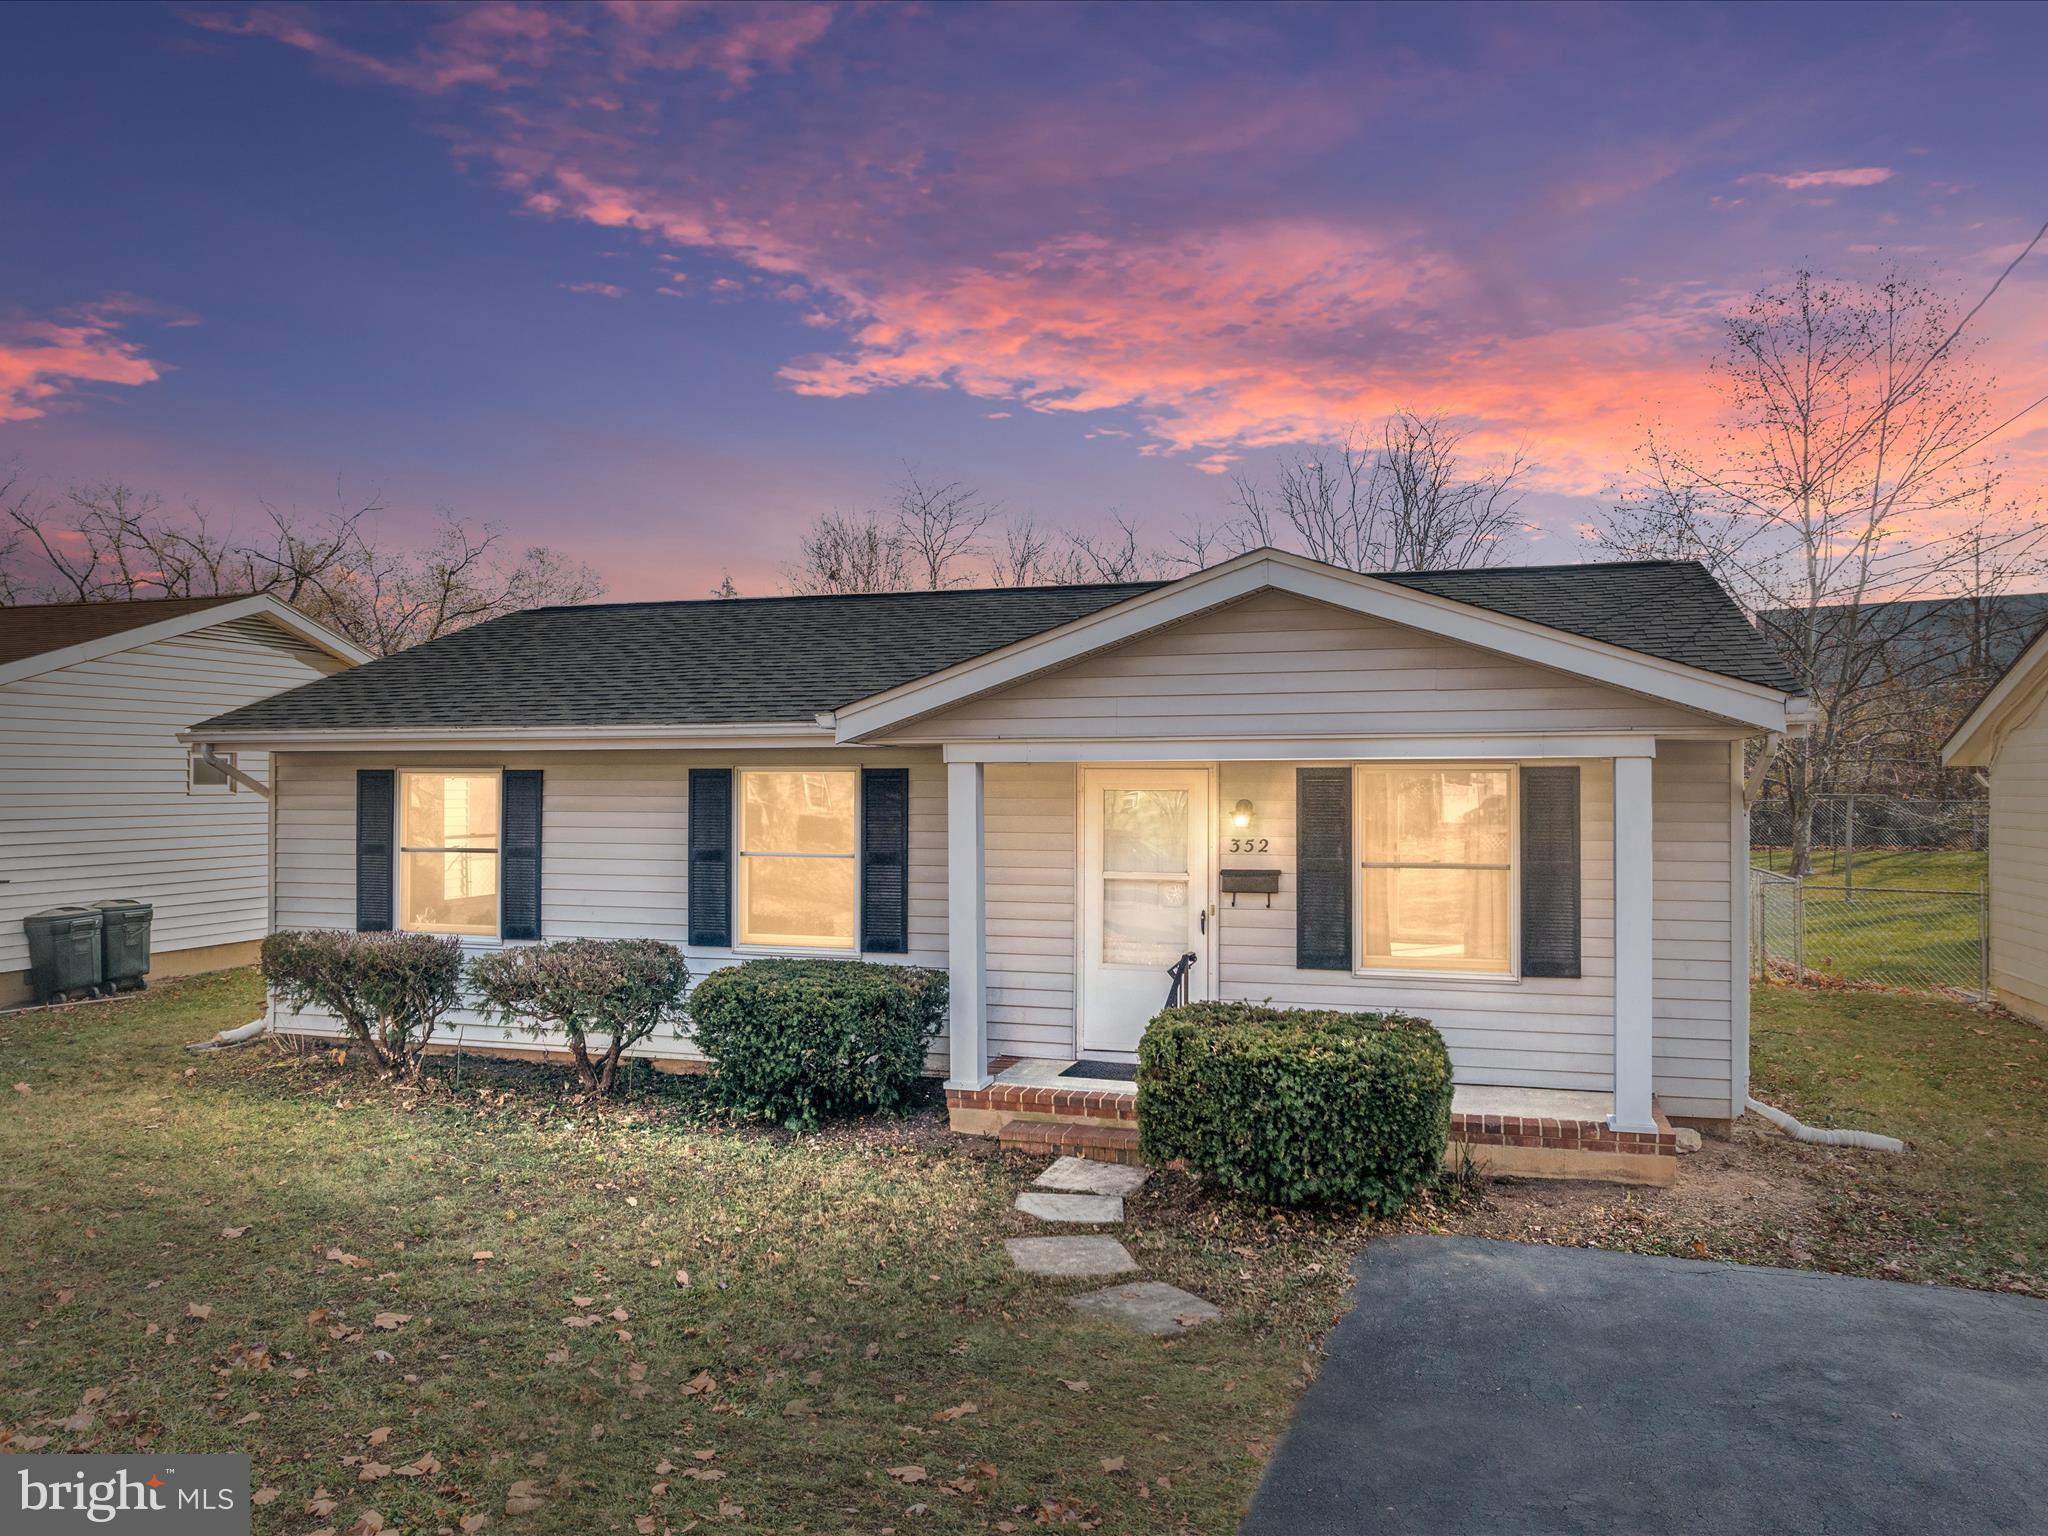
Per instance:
x=1870, y=1141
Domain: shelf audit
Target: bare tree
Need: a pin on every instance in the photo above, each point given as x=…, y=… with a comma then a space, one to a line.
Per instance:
x=853, y=552
x=1111, y=557
x=1408, y=500
x=1848, y=479
x=937, y=525
x=109, y=543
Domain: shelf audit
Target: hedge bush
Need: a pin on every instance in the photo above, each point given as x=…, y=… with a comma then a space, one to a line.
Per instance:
x=389, y=990
x=802, y=1041
x=1297, y=1107
x=622, y=989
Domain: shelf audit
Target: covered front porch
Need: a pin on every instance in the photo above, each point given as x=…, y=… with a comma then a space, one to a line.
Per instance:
x=1547, y=997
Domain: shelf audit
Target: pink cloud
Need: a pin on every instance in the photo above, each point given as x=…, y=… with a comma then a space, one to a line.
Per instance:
x=44, y=362
x=600, y=290
x=1801, y=181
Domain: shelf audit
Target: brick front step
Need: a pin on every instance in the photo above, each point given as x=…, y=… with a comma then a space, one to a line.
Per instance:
x=1572, y=1135
x=1104, y=1143
x=1040, y=1101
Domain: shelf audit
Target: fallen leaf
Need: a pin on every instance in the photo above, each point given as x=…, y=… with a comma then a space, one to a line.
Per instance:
x=699, y=1384
x=263, y=1496
x=619, y=1314
x=336, y=1256
x=522, y=1498
x=380, y=1434
x=906, y=1475
x=957, y=1411
x=483, y=1253
x=471, y=1524
x=683, y=1279
x=663, y=1467
x=728, y=1510
x=200, y=1313
x=644, y=1524
x=425, y=1466
x=1112, y=1463
x=23, y=1088
x=581, y=1301
x=371, y=1471
x=368, y=1523
x=1074, y=1386
x=391, y=1320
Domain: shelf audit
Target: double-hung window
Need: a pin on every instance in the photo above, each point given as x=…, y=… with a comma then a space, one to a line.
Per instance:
x=1436, y=881
x=799, y=851
x=448, y=853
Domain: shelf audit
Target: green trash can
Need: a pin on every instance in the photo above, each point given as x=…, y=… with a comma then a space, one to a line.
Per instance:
x=124, y=943
x=63, y=953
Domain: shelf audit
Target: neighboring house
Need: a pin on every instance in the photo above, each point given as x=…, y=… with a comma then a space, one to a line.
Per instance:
x=2006, y=739
x=1509, y=800
x=98, y=796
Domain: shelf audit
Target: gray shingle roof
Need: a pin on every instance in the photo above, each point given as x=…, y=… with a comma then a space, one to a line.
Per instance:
x=751, y=661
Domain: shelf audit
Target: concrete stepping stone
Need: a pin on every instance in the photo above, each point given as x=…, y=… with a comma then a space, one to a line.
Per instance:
x=1086, y=1210
x=1070, y=1258
x=1086, y=1176
x=1150, y=1306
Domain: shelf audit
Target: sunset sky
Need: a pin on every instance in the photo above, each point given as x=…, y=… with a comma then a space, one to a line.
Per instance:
x=657, y=284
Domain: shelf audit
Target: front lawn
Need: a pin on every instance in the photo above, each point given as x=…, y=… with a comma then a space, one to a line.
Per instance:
x=428, y=1305
x=1966, y=1204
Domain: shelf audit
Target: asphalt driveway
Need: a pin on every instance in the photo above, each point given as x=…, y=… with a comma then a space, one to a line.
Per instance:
x=1510, y=1388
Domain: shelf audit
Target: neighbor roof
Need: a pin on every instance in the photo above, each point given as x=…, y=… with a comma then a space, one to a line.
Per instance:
x=30, y=629
x=753, y=661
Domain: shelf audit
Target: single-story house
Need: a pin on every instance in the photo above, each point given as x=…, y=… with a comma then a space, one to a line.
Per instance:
x=98, y=796
x=1509, y=800
x=2005, y=738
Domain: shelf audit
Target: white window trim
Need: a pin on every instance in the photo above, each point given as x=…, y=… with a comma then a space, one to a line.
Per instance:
x=194, y=760
x=1512, y=975
x=400, y=848
x=740, y=855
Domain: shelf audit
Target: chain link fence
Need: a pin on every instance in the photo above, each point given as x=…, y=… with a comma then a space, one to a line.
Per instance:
x=1923, y=940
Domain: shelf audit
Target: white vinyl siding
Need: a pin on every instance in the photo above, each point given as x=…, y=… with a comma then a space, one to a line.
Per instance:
x=1033, y=882
x=614, y=852
x=1692, y=982
x=93, y=785
x=1276, y=665
x=1533, y=1032
x=2019, y=862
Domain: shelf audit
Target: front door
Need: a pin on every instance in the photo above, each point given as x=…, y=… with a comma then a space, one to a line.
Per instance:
x=1144, y=898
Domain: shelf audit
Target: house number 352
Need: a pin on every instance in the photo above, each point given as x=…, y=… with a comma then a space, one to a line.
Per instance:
x=1248, y=844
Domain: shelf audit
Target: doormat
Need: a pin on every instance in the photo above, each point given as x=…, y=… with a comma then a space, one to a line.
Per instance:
x=1121, y=1071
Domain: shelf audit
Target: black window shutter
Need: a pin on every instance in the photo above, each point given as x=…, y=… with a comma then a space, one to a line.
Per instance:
x=519, y=854
x=1322, y=869
x=711, y=857
x=376, y=811
x=885, y=860
x=1550, y=872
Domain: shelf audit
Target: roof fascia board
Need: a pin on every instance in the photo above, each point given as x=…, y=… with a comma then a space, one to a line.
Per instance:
x=1975, y=742
x=518, y=738
x=258, y=606
x=1518, y=747
x=1750, y=703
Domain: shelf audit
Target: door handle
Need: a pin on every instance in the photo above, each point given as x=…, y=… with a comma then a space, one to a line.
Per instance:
x=1205, y=920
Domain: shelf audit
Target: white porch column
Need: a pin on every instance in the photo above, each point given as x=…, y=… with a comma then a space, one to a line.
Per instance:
x=967, y=926
x=1633, y=895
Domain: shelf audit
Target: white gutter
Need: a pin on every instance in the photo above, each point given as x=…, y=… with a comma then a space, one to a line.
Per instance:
x=513, y=737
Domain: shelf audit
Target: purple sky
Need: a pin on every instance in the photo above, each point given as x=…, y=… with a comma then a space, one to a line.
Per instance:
x=657, y=284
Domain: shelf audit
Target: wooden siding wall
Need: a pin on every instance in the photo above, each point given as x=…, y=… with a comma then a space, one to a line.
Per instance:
x=1276, y=665
x=2019, y=864
x=615, y=851
x=93, y=800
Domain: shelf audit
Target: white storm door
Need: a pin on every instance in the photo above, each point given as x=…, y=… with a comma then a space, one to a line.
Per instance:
x=1144, y=897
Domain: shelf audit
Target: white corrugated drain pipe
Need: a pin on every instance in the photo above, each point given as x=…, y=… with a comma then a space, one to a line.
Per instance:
x=1870, y=1141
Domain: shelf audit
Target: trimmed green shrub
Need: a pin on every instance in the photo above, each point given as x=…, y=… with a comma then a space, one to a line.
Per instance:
x=802, y=1041
x=389, y=990
x=1297, y=1107
x=622, y=989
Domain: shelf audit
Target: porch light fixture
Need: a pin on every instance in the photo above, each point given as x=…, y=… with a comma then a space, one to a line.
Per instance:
x=1241, y=815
